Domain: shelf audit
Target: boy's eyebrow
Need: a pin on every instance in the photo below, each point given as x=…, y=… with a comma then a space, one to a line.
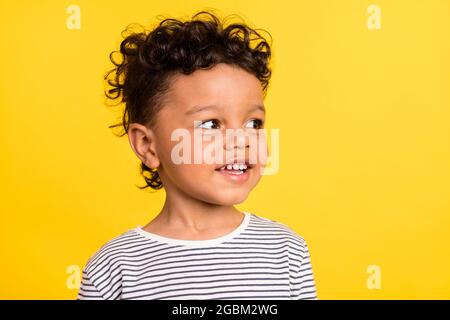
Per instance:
x=202, y=108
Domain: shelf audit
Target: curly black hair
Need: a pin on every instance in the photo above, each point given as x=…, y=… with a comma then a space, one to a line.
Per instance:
x=150, y=58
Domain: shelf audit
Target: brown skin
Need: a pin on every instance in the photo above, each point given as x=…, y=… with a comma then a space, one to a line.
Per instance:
x=200, y=201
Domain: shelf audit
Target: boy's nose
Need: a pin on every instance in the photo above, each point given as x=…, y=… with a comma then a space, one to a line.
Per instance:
x=236, y=138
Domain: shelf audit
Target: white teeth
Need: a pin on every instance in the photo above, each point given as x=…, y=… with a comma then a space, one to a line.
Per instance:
x=235, y=166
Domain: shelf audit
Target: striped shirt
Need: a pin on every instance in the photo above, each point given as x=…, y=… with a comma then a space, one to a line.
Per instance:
x=260, y=259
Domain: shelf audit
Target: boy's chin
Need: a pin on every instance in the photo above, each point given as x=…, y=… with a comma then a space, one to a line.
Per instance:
x=230, y=199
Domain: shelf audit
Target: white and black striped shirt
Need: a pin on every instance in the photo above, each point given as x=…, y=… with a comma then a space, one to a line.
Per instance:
x=261, y=259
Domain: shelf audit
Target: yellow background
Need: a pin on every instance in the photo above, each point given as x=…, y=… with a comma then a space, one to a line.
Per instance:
x=364, y=120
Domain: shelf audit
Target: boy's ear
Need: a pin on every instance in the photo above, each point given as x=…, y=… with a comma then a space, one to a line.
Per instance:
x=142, y=141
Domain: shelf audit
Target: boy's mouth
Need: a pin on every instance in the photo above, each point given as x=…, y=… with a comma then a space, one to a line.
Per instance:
x=236, y=167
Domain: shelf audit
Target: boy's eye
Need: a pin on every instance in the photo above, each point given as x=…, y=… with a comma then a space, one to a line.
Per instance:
x=257, y=122
x=209, y=124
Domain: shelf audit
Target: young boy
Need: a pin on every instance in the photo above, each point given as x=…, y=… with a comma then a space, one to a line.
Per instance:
x=193, y=76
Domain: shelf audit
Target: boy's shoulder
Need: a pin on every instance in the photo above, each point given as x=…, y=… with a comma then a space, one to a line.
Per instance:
x=278, y=226
x=115, y=247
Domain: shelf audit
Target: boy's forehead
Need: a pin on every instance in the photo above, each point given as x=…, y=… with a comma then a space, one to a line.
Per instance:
x=216, y=87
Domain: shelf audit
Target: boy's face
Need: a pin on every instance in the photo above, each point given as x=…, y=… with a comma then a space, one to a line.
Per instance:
x=234, y=95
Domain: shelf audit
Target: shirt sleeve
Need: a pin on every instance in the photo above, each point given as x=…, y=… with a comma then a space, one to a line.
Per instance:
x=303, y=284
x=88, y=291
